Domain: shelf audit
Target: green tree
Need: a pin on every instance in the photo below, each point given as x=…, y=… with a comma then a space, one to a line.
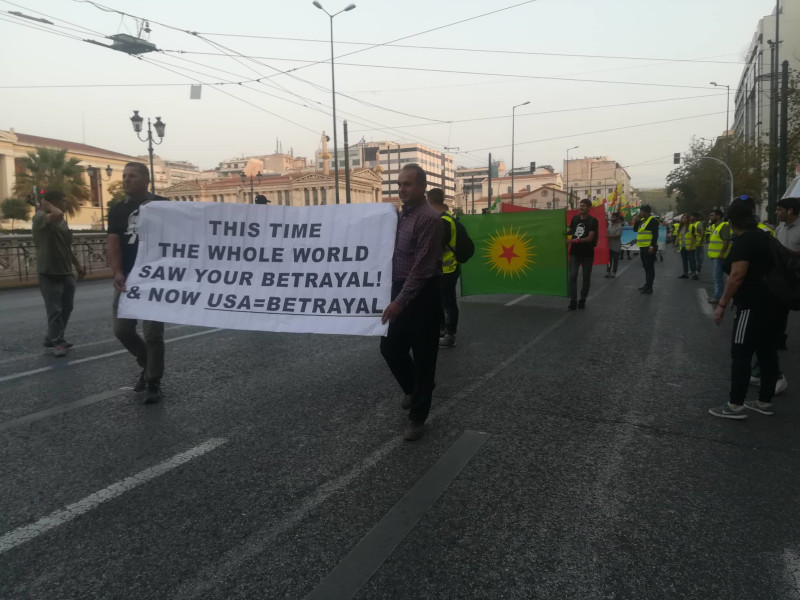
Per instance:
x=699, y=184
x=15, y=209
x=51, y=169
x=117, y=193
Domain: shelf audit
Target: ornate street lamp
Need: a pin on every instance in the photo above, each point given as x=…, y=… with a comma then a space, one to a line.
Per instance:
x=137, y=121
x=244, y=181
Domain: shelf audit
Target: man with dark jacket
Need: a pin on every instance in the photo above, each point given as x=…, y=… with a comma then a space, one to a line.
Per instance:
x=411, y=346
x=123, y=243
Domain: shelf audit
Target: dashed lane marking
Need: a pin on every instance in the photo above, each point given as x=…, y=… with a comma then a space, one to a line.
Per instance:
x=62, y=408
x=705, y=306
x=93, y=358
x=83, y=345
x=20, y=536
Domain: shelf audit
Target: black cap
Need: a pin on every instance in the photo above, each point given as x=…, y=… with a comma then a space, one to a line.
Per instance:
x=646, y=208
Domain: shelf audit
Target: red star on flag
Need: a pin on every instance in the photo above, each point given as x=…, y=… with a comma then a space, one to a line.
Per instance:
x=508, y=253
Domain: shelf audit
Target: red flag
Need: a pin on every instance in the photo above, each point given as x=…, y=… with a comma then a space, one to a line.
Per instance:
x=601, y=250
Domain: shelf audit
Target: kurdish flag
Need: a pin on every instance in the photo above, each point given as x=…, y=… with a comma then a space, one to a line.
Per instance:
x=516, y=253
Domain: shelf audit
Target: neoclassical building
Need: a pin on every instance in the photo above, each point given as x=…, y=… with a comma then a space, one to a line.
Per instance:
x=92, y=215
x=289, y=189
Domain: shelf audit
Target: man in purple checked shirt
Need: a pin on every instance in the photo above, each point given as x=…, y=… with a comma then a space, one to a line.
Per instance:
x=411, y=346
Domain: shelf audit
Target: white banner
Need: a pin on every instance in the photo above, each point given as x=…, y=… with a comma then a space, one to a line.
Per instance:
x=313, y=269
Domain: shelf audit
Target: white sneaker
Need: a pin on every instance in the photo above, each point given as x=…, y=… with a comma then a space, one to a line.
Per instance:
x=781, y=385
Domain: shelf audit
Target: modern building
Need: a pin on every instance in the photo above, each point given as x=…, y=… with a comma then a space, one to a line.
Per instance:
x=595, y=177
x=389, y=157
x=92, y=215
x=470, y=179
x=169, y=172
x=752, y=101
x=273, y=163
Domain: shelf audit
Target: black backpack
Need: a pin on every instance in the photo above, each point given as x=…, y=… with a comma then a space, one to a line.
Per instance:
x=783, y=279
x=465, y=247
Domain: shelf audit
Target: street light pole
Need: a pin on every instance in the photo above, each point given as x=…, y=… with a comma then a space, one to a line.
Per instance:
x=727, y=168
x=136, y=120
x=569, y=194
x=513, y=117
x=244, y=181
x=333, y=92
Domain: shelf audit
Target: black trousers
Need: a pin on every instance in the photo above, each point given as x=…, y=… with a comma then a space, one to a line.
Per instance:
x=585, y=264
x=649, y=264
x=755, y=331
x=448, y=321
x=411, y=347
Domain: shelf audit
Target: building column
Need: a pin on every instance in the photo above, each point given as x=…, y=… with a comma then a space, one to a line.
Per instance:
x=7, y=176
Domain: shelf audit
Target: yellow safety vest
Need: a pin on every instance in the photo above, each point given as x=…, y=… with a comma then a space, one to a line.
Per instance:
x=687, y=237
x=769, y=230
x=644, y=237
x=449, y=263
x=697, y=235
x=716, y=242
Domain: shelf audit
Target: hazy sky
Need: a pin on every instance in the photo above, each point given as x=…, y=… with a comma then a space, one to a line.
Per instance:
x=409, y=93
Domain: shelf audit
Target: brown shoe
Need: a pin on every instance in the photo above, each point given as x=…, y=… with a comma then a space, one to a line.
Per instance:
x=414, y=431
x=406, y=403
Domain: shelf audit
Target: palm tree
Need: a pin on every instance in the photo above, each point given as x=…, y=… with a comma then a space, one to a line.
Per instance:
x=52, y=170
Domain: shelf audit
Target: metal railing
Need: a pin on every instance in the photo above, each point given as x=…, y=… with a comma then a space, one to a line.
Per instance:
x=18, y=256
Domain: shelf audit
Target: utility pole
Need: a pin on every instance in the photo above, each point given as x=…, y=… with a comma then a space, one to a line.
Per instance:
x=489, y=201
x=346, y=166
x=783, y=157
x=472, y=188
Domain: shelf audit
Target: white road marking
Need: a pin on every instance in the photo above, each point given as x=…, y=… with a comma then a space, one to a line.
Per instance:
x=255, y=543
x=27, y=533
x=518, y=300
x=792, y=562
x=86, y=345
x=96, y=357
x=705, y=306
x=62, y=408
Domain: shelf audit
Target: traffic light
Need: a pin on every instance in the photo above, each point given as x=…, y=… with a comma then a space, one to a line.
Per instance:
x=533, y=167
x=676, y=158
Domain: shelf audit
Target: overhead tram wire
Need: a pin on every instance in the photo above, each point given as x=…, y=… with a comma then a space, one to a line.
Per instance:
x=560, y=110
x=144, y=59
x=482, y=50
x=24, y=23
x=561, y=137
x=52, y=18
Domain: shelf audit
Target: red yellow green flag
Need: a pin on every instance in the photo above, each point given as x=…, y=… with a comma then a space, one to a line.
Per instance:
x=516, y=253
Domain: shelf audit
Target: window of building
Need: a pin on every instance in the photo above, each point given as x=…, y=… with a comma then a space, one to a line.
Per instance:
x=307, y=196
x=316, y=197
x=183, y=198
x=215, y=197
x=324, y=195
x=191, y=198
x=221, y=198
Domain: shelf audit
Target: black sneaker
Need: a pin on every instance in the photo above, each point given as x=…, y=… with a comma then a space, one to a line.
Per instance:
x=154, y=394
x=581, y=304
x=572, y=306
x=141, y=385
x=684, y=276
x=52, y=344
x=646, y=291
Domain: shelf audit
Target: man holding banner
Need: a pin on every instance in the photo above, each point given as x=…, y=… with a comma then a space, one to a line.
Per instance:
x=413, y=313
x=123, y=244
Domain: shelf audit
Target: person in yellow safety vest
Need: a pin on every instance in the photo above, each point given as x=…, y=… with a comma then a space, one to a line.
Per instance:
x=685, y=240
x=719, y=246
x=700, y=237
x=646, y=227
x=448, y=321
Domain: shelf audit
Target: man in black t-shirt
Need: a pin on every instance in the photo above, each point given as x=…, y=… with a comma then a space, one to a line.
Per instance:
x=583, y=238
x=123, y=243
x=757, y=325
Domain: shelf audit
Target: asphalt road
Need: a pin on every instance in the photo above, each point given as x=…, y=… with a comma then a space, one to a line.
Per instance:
x=569, y=455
